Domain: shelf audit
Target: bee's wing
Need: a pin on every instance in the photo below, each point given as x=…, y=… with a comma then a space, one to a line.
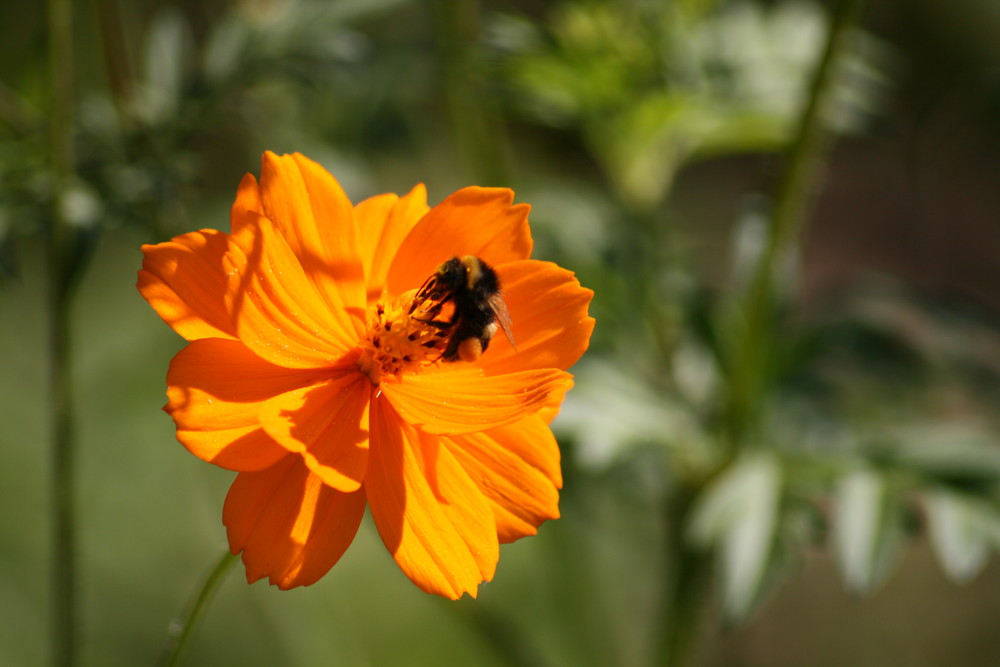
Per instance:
x=503, y=317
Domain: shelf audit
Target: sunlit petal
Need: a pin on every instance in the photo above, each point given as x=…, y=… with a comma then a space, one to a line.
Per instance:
x=383, y=223
x=183, y=281
x=465, y=401
x=215, y=388
x=548, y=311
x=517, y=469
x=473, y=221
x=279, y=313
x=328, y=425
x=290, y=526
x=247, y=205
x=434, y=520
x=316, y=219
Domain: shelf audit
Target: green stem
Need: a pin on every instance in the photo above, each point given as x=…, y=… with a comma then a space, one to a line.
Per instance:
x=183, y=627
x=805, y=154
x=63, y=477
x=686, y=587
x=116, y=55
x=499, y=632
x=479, y=140
x=63, y=465
x=750, y=365
x=690, y=578
x=60, y=37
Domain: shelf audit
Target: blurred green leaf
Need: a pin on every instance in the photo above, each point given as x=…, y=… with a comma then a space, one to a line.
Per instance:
x=225, y=49
x=737, y=514
x=868, y=527
x=962, y=532
x=959, y=456
x=610, y=411
x=856, y=524
x=652, y=86
x=167, y=54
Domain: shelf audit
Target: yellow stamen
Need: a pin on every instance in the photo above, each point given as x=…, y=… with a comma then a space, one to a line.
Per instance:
x=399, y=341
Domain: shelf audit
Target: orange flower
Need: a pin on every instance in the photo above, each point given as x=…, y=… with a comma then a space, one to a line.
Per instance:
x=309, y=372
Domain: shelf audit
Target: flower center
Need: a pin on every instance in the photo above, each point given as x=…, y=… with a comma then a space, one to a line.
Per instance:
x=402, y=337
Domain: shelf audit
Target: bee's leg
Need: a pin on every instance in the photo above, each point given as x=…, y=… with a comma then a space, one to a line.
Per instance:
x=429, y=291
x=438, y=324
x=433, y=310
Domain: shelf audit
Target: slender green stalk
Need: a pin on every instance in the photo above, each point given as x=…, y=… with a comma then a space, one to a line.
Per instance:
x=479, y=140
x=63, y=480
x=181, y=628
x=686, y=587
x=64, y=620
x=117, y=62
x=499, y=632
x=806, y=152
x=750, y=364
x=750, y=373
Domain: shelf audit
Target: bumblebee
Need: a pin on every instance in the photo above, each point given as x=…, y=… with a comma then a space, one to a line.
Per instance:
x=471, y=288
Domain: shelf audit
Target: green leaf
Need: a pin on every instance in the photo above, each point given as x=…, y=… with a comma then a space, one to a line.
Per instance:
x=738, y=514
x=225, y=49
x=961, y=529
x=956, y=457
x=167, y=50
x=868, y=528
x=856, y=525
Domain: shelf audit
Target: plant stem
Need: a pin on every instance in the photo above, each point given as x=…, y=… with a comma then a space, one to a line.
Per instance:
x=750, y=365
x=686, y=587
x=499, y=632
x=116, y=55
x=804, y=156
x=750, y=371
x=183, y=627
x=63, y=487
x=63, y=477
x=58, y=250
x=479, y=140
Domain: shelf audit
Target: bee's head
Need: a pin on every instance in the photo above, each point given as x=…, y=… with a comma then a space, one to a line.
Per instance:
x=453, y=273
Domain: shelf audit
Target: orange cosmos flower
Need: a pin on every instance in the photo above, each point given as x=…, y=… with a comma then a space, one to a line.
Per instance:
x=317, y=371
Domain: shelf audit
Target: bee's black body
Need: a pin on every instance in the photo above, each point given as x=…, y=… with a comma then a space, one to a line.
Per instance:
x=473, y=289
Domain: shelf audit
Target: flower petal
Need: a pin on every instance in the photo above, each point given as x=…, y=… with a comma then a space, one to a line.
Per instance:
x=215, y=390
x=183, y=281
x=247, y=201
x=328, y=425
x=435, y=522
x=473, y=221
x=549, y=320
x=290, y=526
x=517, y=469
x=279, y=313
x=312, y=213
x=383, y=223
x=465, y=401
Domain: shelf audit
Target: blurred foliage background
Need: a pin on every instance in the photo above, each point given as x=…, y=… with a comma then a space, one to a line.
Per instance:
x=778, y=452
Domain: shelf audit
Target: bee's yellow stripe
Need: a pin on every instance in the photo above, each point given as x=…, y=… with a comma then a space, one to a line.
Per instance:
x=473, y=270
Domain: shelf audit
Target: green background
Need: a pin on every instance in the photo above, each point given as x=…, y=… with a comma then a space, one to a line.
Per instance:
x=648, y=138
